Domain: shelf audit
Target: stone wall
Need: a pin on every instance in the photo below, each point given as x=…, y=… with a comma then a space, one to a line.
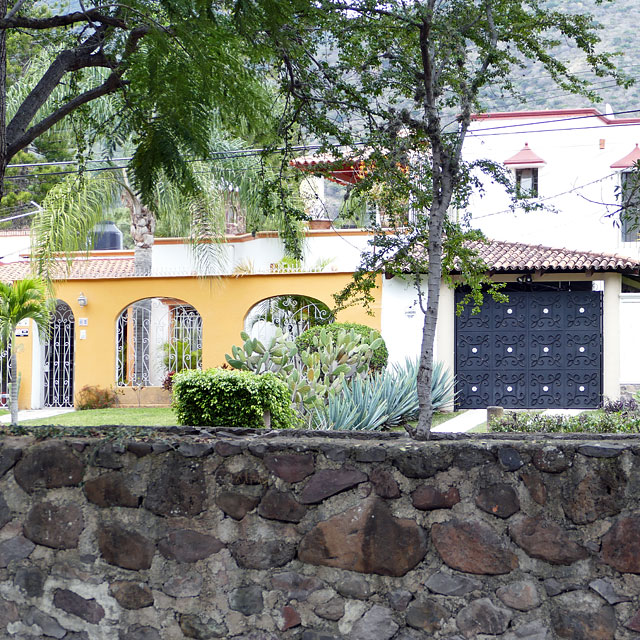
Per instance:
x=289, y=535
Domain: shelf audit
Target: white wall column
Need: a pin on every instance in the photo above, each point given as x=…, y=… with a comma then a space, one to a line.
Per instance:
x=445, y=346
x=611, y=335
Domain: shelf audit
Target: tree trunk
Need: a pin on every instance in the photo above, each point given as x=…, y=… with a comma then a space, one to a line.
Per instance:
x=143, y=226
x=425, y=368
x=3, y=98
x=15, y=383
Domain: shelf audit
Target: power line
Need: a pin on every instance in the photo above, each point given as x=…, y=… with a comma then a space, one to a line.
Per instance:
x=21, y=215
x=567, y=119
x=215, y=155
x=235, y=153
x=546, y=198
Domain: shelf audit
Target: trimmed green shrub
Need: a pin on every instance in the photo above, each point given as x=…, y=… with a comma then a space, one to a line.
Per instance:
x=231, y=398
x=305, y=341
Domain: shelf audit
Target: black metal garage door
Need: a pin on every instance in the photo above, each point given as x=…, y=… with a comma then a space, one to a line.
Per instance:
x=540, y=350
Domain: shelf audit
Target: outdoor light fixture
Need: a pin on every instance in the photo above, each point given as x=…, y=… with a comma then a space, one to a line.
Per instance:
x=82, y=300
x=525, y=279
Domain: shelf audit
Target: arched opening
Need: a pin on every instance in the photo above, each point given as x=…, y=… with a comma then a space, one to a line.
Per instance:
x=59, y=358
x=154, y=337
x=292, y=313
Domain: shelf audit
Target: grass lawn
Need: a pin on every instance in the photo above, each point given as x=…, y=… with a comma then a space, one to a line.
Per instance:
x=146, y=417
x=138, y=416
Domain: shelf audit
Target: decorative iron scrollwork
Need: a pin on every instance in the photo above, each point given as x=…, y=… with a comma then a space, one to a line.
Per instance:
x=541, y=349
x=155, y=336
x=59, y=358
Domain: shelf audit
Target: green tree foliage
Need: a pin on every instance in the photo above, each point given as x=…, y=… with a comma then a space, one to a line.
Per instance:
x=163, y=67
x=22, y=300
x=391, y=87
x=26, y=55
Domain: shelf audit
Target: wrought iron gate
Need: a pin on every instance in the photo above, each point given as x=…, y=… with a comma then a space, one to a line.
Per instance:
x=155, y=336
x=292, y=314
x=540, y=350
x=59, y=358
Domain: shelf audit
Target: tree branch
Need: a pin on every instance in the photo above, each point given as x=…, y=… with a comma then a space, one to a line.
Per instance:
x=71, y=60
x=111, y=84
x=92, y=15
x=68, y=60
x=16, y=7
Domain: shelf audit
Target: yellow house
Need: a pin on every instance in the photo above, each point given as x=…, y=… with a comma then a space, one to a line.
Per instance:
x=103, y=311
x=559, y=342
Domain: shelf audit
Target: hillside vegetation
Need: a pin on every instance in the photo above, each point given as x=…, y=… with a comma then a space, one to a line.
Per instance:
x=619, y=20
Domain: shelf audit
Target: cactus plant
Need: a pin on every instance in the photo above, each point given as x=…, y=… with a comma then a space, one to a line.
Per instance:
x=382, y=400
x=313, y=374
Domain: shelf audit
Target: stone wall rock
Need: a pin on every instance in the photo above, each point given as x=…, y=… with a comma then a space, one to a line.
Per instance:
x=248, y=535
x=366, y=538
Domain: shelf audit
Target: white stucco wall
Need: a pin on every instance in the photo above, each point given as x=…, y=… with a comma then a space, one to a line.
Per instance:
x=401, y=332
x=333, y=251
x=577, y=180
x=402, y=322
x=629, y=343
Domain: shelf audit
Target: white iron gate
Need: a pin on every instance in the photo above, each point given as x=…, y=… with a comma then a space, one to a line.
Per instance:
x=59, y=358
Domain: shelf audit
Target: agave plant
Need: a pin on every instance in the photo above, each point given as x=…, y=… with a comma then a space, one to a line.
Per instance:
x=359, y=405
x=442, y=386
x=382, y=400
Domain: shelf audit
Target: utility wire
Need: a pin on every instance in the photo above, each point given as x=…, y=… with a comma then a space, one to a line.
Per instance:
x=235, y=153
x=567, y=119
x=546, y=198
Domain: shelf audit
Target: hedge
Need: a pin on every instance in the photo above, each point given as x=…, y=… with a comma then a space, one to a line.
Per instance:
x=231, y=398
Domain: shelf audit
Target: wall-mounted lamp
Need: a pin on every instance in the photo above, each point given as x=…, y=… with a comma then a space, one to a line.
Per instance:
x=525, y=279
x=82, y=300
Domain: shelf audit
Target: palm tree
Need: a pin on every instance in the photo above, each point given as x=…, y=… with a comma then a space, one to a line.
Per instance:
x=73, y=207
x=22, y=300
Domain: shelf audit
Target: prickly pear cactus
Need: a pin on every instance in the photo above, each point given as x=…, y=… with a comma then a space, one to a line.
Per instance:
x=276, y=357
x=314, y=374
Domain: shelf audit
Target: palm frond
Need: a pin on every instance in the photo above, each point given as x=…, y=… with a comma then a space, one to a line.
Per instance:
x=65, y=223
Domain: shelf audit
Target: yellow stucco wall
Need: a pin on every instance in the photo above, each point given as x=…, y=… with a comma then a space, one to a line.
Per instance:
x=222, y=302
x=24, y=349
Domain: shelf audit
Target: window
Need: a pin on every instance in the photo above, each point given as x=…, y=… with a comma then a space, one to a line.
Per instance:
x=630, y=206
x=527, y=182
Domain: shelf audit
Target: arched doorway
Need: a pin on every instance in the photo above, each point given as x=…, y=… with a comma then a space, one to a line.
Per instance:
x=292, y=314
x=156, y=336
x=59, y=358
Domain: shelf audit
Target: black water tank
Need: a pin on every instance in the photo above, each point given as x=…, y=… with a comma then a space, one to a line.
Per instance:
x=107, y=236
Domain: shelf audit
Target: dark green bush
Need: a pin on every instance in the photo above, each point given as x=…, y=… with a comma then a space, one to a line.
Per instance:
x=94, y=397
x=380, y=356
x=231, y=398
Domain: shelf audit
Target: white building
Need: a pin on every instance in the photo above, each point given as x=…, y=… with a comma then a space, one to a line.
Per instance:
x=572, y=161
